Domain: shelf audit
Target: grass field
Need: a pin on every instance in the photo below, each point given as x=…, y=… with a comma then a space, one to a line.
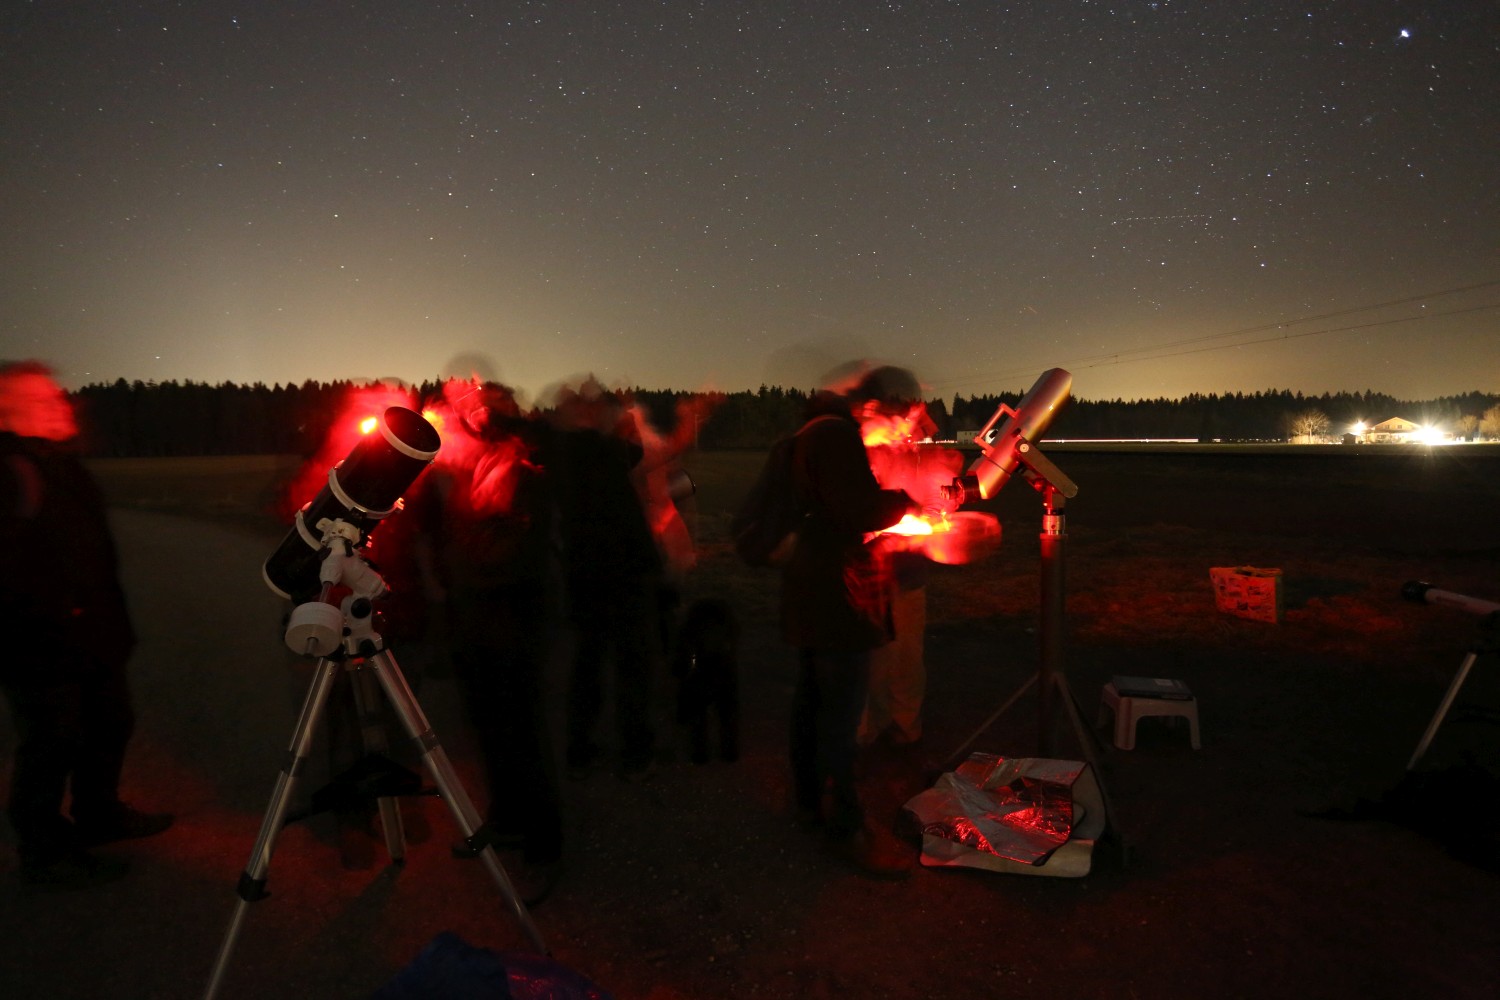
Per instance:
x=1347, y=526
x=698, y=884
x=239, y=490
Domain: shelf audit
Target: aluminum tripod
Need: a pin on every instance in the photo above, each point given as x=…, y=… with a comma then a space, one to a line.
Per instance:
x=1485, y=644
x=359, y=642
x=1051, y=678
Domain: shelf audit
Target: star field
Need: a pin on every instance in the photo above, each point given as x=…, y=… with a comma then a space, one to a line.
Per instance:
x=683, y=195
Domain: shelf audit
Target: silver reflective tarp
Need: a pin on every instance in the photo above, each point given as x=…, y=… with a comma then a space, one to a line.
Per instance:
x=1009, y=813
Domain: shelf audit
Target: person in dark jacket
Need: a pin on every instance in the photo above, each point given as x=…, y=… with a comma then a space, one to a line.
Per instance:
x=65, y=614
x=490, y=513
x=835, y=608
x=613, y=574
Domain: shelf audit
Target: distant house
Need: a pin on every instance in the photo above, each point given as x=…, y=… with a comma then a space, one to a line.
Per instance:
x=1393, y=431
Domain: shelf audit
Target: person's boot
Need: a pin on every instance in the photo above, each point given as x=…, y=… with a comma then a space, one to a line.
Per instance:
x=582, y=760
x=535, y=880
x=874, y=854
x=119, y=823
x=73, y=869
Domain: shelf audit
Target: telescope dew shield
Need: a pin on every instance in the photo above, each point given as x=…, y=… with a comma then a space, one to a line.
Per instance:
x=361, y=490
x=999, y=456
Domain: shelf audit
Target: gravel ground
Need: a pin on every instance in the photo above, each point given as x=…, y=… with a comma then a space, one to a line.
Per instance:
x=698, y=884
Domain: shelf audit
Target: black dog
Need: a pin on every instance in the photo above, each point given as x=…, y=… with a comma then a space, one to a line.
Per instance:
x=706, y=665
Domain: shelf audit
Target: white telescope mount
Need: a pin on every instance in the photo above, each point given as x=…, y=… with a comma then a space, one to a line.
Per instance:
x=344, y=637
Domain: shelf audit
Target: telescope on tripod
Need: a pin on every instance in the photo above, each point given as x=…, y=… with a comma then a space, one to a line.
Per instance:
x=1008, y=444
x=318, y=563
x=1425, y=593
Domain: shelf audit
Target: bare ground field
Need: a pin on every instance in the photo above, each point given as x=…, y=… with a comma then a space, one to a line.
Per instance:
x=1218, y=881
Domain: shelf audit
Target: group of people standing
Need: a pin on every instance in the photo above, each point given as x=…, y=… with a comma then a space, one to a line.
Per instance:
x=530, y=525
x=852, y=608
x=538, y=526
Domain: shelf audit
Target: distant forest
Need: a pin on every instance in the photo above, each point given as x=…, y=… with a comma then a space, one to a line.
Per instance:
x=141, y=419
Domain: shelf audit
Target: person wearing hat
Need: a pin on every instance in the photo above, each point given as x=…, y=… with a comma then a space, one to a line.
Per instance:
x=836, y=607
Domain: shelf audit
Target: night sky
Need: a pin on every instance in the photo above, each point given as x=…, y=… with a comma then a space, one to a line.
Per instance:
x=1162, y=197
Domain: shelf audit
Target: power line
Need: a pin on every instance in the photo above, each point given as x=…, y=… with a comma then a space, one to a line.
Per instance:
x=1123, y=357
x=1313, y=333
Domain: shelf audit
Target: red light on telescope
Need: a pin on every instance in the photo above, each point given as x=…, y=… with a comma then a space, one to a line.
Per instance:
x=367, y=425
x=910, y=524
x=954, y=539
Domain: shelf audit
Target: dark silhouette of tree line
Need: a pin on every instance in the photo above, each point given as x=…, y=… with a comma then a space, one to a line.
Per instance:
x=143, y=419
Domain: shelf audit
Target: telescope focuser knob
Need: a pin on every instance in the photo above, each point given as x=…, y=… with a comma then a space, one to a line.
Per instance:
x=962, y=490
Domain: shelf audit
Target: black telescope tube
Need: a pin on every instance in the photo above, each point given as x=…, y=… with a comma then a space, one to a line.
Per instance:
x=361, y=490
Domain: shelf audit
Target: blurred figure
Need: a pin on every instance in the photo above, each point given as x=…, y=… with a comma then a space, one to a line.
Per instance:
x=496, y=562
x=661, y=483
x=613, y=573
x=836, y=609
x=66, y=614
x=898, y=670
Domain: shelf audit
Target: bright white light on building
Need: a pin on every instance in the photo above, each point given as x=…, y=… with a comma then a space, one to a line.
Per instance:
x=1429, y=435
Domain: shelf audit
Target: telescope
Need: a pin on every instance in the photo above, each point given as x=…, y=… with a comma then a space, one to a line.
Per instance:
x=362, y=490
x=319, y=555
x=1424, y=592
x=1000, y=451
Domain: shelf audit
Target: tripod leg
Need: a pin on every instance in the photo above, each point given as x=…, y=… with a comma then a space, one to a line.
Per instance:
x=441, y=770
x=1015, y=696
x=252, y=883
x=1442, y=712
x=373, y=738
x=1086, y=741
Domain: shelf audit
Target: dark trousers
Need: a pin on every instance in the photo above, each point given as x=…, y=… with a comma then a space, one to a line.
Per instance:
x=620, y=623
x=501, y=669
x=74, y=731
x=710, y=689
x=827, y=703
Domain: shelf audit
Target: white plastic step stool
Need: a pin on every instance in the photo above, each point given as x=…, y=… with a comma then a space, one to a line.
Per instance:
x=1147, y=696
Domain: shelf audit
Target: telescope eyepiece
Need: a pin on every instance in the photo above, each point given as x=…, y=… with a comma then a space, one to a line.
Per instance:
x=962, y=490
